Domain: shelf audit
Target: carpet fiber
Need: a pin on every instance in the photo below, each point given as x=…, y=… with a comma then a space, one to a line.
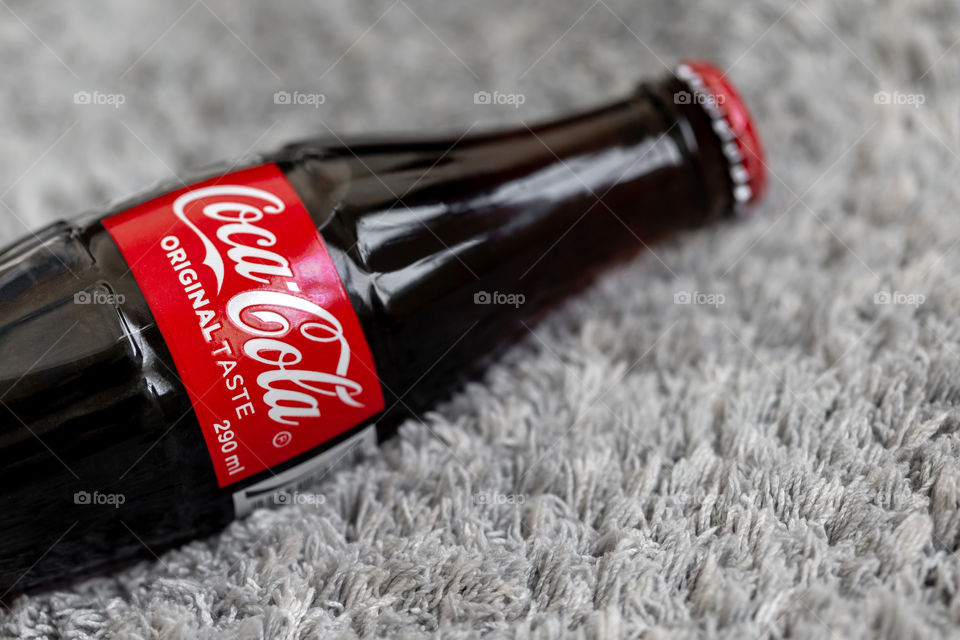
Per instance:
x=782, y=464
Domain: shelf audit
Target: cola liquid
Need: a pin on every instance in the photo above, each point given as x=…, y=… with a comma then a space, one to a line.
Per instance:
x=204, y=350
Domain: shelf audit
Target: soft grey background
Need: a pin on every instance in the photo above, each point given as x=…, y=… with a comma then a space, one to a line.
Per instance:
x=783, y=464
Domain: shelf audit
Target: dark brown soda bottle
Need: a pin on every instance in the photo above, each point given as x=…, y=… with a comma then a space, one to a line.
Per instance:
x=184, y=358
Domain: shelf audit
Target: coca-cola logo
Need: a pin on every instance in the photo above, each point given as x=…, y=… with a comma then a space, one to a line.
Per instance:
x=270, y=317
x=250, y=303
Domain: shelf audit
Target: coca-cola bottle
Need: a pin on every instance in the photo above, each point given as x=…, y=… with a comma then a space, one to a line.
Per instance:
x=182, y=359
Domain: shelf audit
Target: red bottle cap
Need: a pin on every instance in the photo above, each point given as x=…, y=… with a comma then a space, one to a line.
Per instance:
x=733, y=124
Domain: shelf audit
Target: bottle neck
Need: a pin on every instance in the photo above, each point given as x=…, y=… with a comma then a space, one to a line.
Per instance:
x=615, y=177
x=422, y=230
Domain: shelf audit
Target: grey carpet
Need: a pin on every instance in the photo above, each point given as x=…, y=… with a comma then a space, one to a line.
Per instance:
x=785, y=464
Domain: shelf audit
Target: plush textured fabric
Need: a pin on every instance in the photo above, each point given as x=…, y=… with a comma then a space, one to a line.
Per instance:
x=782, y=464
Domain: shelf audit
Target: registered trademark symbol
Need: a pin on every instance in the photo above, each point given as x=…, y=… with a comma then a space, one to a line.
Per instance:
x=282, y=439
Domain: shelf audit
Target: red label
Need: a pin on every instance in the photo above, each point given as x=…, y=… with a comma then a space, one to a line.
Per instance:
x=251, y=306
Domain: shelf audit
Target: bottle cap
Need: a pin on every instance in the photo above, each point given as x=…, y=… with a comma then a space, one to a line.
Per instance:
x=733, y=124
